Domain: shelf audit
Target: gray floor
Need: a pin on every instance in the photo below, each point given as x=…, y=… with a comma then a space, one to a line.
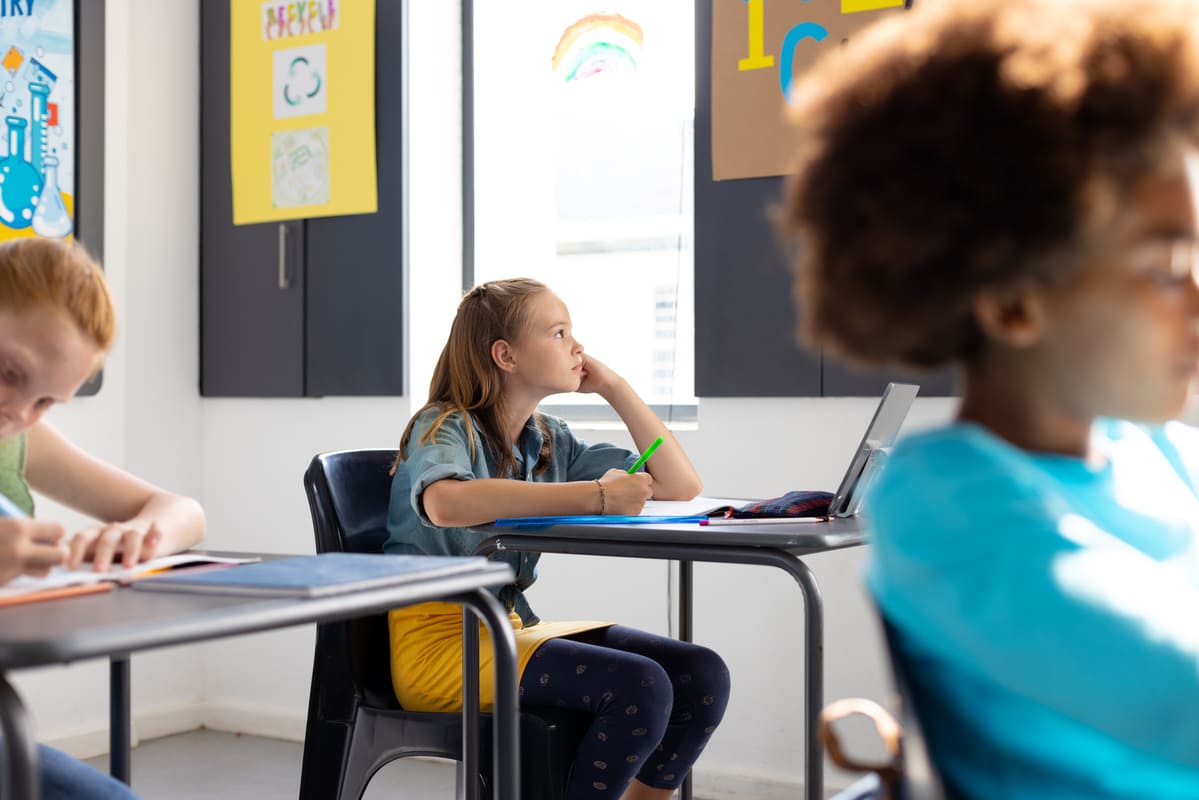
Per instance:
x=210, y=765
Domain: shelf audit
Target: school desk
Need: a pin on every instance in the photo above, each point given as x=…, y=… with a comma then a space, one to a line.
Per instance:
x=781, y=545
x=124, y=621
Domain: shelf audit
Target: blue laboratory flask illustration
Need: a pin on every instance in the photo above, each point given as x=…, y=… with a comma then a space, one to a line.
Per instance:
x=51, y=219
x=20, y=183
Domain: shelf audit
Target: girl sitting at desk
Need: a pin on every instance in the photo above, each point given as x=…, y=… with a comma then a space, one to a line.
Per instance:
x=56, y=323
x=1009, y=187
x=479, y=451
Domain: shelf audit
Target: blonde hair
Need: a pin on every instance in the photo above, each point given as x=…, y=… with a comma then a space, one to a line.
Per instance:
x=58, y=276
x=466, y=379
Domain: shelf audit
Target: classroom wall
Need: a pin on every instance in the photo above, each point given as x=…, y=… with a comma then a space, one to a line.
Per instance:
x=244, y=458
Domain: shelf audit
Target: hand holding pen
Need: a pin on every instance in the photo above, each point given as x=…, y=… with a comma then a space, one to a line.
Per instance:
x=27, y=546
x=624, y=493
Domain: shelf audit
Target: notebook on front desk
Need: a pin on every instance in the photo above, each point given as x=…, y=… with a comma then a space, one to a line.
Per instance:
x=864, y=466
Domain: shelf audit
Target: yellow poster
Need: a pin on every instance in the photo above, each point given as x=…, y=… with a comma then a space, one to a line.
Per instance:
x=302, y=108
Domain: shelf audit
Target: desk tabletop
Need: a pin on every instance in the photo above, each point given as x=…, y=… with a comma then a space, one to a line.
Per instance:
x=124, y=621
x=798, y=538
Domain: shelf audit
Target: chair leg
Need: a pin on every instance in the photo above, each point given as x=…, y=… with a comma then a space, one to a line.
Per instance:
x=326, y=746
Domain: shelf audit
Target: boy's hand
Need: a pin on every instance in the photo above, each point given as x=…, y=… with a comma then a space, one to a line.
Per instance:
x=29, y=547
x=597, y=376
x=626, y=494
x=135, y=541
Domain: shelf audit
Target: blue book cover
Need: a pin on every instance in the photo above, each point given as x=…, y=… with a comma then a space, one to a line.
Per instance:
x=312, y=576
x=595, y=519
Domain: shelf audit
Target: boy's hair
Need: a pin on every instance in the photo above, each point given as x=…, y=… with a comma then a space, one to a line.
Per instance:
x=974, y=145
x=58, y=276
x=466, y=379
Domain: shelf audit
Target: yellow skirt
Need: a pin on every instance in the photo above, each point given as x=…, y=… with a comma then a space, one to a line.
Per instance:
x=426, y=654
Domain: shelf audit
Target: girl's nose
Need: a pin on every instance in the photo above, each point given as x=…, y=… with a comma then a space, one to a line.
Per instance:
x=16, y=412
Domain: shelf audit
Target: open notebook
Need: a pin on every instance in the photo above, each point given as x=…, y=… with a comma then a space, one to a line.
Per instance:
x=864, y=466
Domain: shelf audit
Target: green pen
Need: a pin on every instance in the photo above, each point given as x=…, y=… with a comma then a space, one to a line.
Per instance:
x=649, y=451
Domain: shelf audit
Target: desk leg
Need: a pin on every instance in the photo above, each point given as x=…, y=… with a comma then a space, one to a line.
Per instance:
x=505, y=721
x=813, y=608
x=686, y=619
x=468, y=767
x=20, y=751
x=120, y=732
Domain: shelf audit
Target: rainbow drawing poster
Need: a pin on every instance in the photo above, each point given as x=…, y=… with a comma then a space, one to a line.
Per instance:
x=597, y=44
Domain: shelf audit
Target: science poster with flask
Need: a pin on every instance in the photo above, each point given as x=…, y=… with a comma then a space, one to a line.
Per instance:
x=37, y=107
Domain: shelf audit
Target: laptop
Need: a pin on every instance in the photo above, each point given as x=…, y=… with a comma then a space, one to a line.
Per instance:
x=867, y=461
x=864, y=466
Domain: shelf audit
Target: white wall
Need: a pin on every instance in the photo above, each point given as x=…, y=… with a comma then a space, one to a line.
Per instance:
x=244, y=458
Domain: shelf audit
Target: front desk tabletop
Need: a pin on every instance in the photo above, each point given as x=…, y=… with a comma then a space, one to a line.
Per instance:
x=123, y=621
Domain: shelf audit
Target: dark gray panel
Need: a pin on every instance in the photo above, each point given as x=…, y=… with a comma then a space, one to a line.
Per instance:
x=745, y=343
x=251, y=330
x=356, y=263
x=89, y=136
x=841, y=380
x=89, y=100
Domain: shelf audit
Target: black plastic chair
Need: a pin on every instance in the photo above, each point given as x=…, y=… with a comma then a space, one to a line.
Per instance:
x=909, y=773
x=355, y=725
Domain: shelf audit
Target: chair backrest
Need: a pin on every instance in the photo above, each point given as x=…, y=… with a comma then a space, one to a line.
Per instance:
x=907, y=772
x=348, y=494
x=920, y=778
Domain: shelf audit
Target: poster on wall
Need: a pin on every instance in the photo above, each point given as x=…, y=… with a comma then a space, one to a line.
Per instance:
x=37, y=104
x=302, y=109
x=759, y=47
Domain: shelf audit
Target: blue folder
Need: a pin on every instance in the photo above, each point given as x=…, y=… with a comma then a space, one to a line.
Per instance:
x=595, y=519
x=312, y=576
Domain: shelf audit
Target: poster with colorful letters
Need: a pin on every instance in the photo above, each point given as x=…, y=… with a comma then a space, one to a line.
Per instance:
x=758, y=49
x=302, y=108
x=37, y=104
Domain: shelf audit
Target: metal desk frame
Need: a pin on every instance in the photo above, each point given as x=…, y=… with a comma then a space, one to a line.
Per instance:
x=119, y=623
x=774, y=545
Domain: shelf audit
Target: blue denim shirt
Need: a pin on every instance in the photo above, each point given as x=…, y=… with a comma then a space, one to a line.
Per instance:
x=449, y=455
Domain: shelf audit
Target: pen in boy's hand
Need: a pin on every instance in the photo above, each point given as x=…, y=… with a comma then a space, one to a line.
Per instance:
x=9, y=509
x=649, y=451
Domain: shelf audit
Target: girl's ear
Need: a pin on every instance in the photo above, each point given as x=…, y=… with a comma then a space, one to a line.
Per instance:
x=502, y=355
x=1015, y=317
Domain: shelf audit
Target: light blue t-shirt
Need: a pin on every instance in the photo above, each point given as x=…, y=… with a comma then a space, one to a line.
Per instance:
x=1048, y=609
x=449, y=455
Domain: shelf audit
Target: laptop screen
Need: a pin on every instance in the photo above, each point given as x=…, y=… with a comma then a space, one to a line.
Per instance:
x=876, y=441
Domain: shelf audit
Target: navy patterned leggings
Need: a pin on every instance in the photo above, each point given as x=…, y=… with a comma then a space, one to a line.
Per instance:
x=656, y=701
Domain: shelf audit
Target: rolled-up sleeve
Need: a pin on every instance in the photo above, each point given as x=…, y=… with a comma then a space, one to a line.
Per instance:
x=447, y=455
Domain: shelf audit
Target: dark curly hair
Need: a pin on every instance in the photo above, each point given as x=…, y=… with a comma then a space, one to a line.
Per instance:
x=974, y=145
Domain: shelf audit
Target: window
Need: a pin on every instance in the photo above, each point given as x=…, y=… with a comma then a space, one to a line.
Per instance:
x=582, y=176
